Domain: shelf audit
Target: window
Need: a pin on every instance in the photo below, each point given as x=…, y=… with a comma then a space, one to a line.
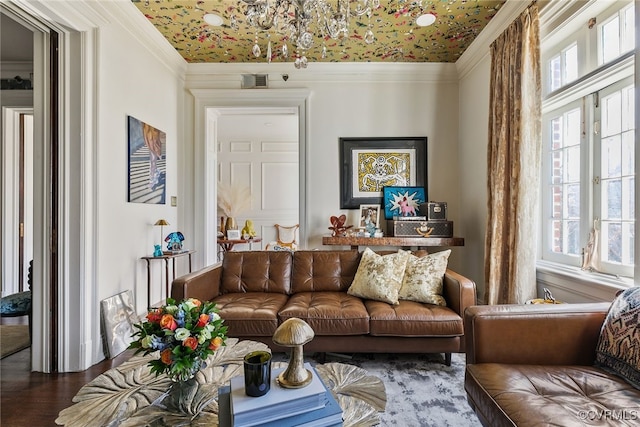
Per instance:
x=563, y=68
x=589, y=142
x=616, y=35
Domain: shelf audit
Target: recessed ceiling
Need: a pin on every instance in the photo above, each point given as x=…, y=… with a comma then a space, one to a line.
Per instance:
x=398, y=38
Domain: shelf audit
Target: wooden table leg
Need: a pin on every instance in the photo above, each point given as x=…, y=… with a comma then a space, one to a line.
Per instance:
x=166, y=277
x=148, y=284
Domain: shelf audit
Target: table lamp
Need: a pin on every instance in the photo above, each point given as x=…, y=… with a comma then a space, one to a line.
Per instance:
x=161, y=223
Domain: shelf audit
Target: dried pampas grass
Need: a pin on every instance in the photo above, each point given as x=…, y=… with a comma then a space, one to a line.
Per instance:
x=233, y=199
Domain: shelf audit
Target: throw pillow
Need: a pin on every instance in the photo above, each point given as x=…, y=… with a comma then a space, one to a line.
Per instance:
x=422, y=280
x=618, y=348
x=379, y=277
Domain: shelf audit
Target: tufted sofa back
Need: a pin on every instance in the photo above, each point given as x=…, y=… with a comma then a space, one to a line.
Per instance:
x=323, y=270
x=259, y=271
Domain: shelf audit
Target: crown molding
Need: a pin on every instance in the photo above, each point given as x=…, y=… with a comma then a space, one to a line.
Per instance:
x=130, y=18
x=334, y=72
x=479, y=48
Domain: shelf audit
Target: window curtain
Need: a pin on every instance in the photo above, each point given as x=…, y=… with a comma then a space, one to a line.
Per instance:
x=513, y=162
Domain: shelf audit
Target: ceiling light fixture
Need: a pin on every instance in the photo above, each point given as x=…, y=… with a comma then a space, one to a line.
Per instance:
x=426, y=19
x=297, y=17
x=213, y=19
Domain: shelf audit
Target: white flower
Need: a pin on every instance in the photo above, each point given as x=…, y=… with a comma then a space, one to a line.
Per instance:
x=171, y=309
x=182, y=334
x=146, y=341
x=189, y=304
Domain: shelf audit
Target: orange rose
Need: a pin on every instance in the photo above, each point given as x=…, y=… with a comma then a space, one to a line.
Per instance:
x=154, y=316
x=215, y=343
x=202, y=320
x=196, y=302
x=191, y=342
x=168, y=322
x=165, y=356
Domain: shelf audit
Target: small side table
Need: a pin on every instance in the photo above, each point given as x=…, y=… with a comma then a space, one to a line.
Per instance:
x=166, y=256
x=226, y=245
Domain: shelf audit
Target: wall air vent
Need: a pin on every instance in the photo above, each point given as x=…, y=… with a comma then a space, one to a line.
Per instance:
x=255, y=81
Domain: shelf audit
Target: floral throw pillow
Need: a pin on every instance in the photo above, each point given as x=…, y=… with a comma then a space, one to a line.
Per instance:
x=618, y=348
x=379, y=277
x=422, y=280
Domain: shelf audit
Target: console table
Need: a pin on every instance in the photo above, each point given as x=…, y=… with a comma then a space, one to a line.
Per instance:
x=420, y=242
x=226, y=245
x=166, y=257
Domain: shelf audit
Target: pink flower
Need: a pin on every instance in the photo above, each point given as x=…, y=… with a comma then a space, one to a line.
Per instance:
x=168, y=322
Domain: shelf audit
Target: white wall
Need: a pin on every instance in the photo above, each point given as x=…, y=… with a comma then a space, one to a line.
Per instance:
x=363, y=100
x=472, y=166
x=132, y=82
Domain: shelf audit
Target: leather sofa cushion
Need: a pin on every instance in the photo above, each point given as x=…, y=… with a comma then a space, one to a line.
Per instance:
x=413, y=319
x=535, y=395
x=250, y=314
x=328, y=313
x=257, y=271
x=323, y=270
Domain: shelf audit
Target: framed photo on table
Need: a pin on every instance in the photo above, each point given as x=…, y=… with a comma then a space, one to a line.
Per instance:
x=369, y=214
x=233, y=234
x=370, y=164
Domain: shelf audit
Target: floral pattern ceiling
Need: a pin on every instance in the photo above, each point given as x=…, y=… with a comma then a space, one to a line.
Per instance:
x=398, y=38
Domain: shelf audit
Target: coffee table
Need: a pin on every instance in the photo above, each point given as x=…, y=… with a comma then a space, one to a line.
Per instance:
x=130, y=395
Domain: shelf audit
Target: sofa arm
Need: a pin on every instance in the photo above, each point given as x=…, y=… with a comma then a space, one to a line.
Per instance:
x=537, y=334
x=458, y=291
x=203, y=284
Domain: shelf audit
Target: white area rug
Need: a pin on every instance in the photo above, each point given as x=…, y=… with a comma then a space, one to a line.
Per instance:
x=421, y=390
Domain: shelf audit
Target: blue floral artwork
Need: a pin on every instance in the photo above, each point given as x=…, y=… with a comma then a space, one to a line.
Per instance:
x=403, y=201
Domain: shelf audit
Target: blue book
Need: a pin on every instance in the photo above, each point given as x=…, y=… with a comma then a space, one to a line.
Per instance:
x=278, y=403
x=328, y=416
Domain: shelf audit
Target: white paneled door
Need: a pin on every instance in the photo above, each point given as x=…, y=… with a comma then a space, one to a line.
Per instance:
x=259, y=149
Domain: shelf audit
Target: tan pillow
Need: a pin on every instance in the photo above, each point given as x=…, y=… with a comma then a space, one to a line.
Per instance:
x=422, y=280
x=379, y=277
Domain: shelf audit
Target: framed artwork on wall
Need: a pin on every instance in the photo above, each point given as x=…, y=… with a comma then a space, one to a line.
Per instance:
x=403, y=201
x=147, y=163
x=370, y=164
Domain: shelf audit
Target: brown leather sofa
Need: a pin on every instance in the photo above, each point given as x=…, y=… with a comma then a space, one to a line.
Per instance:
x=257, y=290
x=533, y=365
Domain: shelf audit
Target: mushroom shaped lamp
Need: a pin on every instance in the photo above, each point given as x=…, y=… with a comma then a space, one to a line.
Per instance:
x=294, y=333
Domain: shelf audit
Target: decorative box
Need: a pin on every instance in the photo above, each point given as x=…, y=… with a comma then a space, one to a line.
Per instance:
x=411, y=228
x=435, y=211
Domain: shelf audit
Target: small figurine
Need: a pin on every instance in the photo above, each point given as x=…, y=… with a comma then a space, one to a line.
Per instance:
x=406, y=209
x=157, y=250
x=337, y=225
x=248, y=232
x=174, y=241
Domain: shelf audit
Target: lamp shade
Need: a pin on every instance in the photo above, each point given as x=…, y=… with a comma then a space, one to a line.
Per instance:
x=161, y=222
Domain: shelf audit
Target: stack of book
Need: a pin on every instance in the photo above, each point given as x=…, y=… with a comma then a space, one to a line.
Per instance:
x=311, y=406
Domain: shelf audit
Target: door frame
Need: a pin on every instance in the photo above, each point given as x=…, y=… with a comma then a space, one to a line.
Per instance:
x=206, y=101
x=11, y=119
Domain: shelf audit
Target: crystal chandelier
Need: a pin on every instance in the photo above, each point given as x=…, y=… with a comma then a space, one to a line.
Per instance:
x=298, y=19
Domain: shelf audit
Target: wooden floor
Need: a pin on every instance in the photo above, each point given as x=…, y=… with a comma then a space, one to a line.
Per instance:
x=34, y=399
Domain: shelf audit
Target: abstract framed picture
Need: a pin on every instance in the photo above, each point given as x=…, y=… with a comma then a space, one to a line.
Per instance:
x=118, y=317
x=147, y=163
x=370, y=164
x=369, y=214
x=403, y=201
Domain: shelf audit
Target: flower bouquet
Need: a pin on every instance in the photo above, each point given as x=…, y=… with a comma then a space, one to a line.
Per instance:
x=185, y=334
